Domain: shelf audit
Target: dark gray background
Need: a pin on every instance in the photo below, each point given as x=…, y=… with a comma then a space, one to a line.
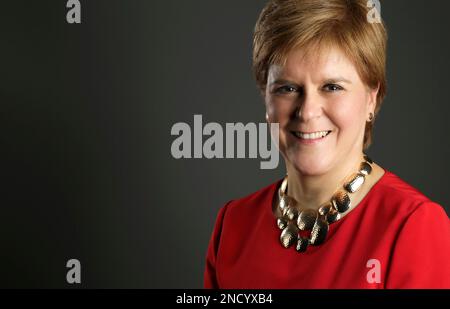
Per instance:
x=86, y=117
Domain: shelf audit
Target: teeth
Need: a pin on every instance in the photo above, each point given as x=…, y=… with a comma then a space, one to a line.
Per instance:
x=314, y=135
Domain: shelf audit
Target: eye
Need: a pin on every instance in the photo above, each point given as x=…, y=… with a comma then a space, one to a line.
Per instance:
x=285, y=90
x=332, y=88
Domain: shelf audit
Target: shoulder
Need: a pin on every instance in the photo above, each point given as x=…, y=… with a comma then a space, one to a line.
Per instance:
x=421, y=248
x=232, y=218
x=395, y=196
x=251, y=204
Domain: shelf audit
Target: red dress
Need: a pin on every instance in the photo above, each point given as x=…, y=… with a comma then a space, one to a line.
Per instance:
x=395, y=238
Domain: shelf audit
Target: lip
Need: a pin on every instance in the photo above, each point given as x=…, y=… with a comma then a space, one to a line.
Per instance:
x=311, y=141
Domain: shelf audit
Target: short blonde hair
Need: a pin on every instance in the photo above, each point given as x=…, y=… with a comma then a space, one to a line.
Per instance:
x=284, y=25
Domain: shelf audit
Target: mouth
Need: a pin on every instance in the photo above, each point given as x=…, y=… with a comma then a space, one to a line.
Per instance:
x=312, y=137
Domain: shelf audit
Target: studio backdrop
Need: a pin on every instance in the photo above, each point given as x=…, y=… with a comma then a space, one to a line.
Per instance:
x=90, y=108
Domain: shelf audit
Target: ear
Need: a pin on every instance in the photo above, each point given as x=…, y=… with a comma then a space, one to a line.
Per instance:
x=373, y=93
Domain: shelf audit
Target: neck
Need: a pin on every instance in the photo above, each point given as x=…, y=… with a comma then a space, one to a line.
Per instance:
x=316, y=190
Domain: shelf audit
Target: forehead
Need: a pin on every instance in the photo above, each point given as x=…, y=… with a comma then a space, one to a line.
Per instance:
x=317, y=62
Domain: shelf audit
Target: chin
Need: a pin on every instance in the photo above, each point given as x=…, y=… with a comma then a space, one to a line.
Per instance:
x=310, y=166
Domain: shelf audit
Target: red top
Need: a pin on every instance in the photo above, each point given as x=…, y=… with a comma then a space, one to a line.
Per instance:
x=394, y=224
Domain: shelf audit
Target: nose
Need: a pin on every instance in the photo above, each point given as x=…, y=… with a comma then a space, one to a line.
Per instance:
x=309, y=107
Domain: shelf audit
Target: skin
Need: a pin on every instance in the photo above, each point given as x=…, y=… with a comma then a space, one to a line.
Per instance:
x=320, y=91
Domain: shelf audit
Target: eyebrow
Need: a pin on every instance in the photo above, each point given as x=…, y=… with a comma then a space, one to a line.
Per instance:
x=329, y=80
x=337, y=80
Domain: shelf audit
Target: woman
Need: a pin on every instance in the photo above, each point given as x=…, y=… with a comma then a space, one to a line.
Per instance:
x=338, y=219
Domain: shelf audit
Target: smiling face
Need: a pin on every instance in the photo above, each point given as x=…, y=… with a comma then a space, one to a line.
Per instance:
x=322, y=106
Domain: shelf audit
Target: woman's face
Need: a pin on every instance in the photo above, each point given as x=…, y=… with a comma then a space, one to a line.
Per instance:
x=322, y=106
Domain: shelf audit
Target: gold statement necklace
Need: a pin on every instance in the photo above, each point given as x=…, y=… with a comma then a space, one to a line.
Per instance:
x=291, y=221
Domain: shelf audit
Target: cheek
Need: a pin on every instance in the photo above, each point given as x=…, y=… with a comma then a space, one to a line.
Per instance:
x=279, y=110
x=348, y=111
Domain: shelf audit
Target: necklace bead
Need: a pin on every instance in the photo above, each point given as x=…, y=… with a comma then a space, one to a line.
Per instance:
x=293, y=220
x=306, y=219
x=289, y=235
